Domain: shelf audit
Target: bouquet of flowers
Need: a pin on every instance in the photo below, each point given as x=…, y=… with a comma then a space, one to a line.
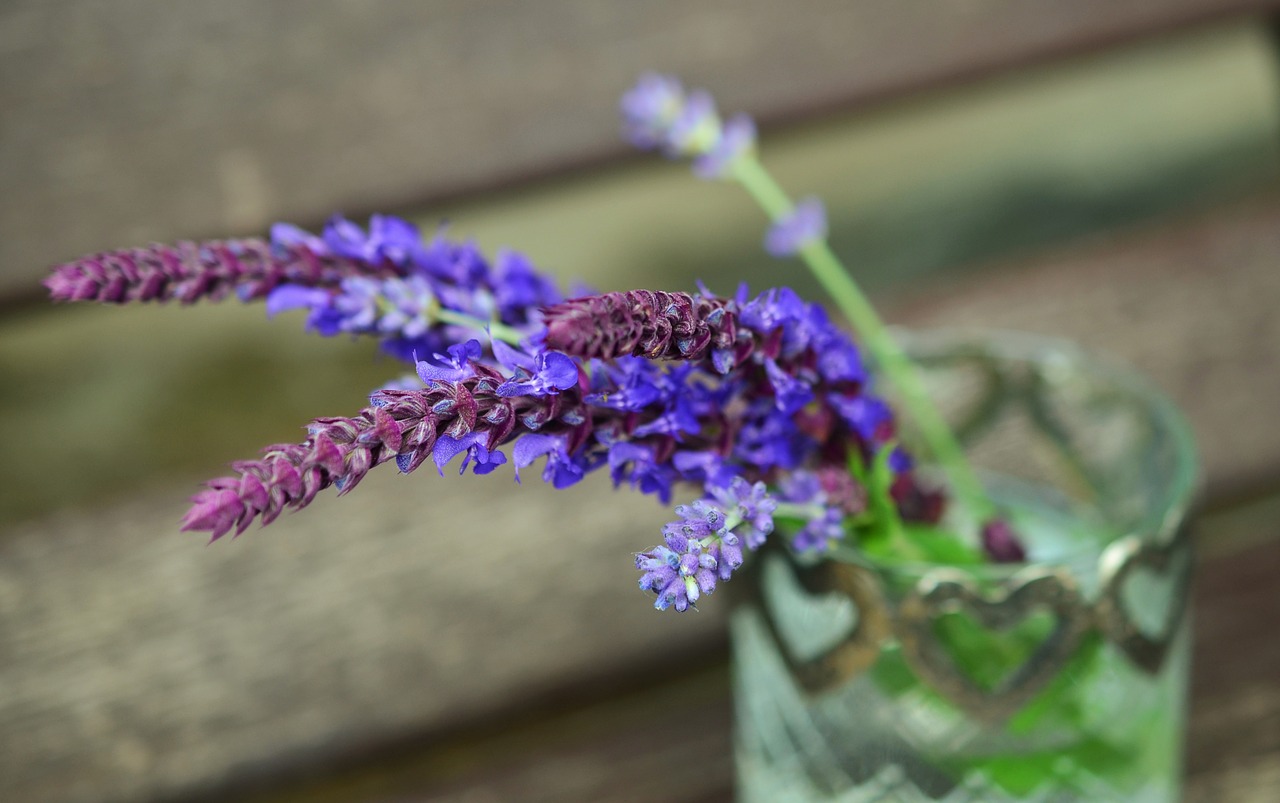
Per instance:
x=760, y=404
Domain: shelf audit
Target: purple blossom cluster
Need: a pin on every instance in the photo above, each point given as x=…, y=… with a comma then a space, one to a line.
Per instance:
x=805, y=223
x=435, y=294
x=728, y=395
x=189, y=272
x=657, y=113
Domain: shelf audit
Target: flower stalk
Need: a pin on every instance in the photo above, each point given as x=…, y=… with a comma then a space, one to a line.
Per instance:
x=874, y=335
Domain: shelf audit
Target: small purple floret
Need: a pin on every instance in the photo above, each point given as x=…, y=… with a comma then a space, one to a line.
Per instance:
x=737, y=138
x=649, y=109
x=804, y=224
x=1001, y=543
x=452, y=367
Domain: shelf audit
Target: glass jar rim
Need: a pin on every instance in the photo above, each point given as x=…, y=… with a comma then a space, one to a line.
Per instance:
x=1177, y=495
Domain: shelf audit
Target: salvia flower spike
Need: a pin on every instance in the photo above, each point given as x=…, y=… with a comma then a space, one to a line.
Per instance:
x=659, y=113
x=761, y=404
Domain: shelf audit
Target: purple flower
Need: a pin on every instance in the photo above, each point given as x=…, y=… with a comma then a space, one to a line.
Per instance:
x=543, y=374
x=629, y=383
x=407, y=307
x=870, y=417
x=519, y=289
x=790, y=393
x=389, y=238
x=1001, y=543
x=737, y=137
x=561, y=470
x=771, y=440
x=635, y=463
x=821, y=531
x=460, y=264
x=658, y=113
x=286, y=234
x=347, y=239
x=649, y=108
x=707, y=467
x=679, y=418
x=801, y=487
x=453, y=367
x=395, y=239
x=699, y=551
x=751, y=505
x=804, y=224
x=472, y=446
x=696, y=129
x=900, y=461
x=295, y=296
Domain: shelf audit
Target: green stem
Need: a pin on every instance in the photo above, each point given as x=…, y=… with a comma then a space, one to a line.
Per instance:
x=890, y=357
x=497, y=330
x=793, y=510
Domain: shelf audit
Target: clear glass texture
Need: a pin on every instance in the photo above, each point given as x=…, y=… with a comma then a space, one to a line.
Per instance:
x=1060, y=679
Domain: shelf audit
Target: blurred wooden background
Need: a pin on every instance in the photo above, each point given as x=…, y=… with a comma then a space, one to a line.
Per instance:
x=1105, y=170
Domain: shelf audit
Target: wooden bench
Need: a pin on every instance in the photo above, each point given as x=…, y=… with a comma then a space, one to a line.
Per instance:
x=375, y=648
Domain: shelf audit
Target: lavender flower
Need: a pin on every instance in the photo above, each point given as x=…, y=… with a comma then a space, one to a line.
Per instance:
x=831, y=496
x=415, y=297
x=699, y=551
x=658, y=114
x=650, y=108
x=821, y=532
x=648, y=323
x=189, y=272
x=749, y=504
x=452, y=367
x=443, y=293
x=737, y=139
x=542, y=374
x=1001, y=543
x=574, y=394
x=805, y=223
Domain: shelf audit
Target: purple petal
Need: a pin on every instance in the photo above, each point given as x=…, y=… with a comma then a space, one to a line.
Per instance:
x=295, y=296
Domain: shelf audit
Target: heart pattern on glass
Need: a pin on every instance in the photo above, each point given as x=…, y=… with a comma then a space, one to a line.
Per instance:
x=999, y=606
x=841, y=603
x=1123, y=565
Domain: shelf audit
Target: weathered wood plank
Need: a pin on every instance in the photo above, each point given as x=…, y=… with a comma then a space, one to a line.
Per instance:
x=146, y=120
x=1190, y=305
x=621, y=748
x=136, y=666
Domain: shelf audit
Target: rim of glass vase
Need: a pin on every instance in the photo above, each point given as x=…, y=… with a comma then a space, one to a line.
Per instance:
x=1178, y=494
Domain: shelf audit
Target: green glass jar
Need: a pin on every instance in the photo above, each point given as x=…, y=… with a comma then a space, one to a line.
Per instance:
x=1063, y=678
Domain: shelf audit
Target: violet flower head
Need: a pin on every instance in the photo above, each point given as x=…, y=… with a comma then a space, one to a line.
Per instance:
x=831, y=496
x=542, y=374
x=205, y=271
x=430, y=297
x=657, y=113
x=821, y=532
x=641, y=323
x=453, y=366
x=1001, y=543
x=561, y=469
x=649, y=109
x=704, y=545
x=750, y=504
x=662, y=388
x=737, y=138
x=806, y=223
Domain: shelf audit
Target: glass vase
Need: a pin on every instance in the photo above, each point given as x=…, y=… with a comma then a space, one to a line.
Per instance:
x=1059, y=679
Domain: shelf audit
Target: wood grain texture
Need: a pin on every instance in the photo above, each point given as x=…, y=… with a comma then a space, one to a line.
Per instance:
x=147, y=120
x=1189, y=304
x=606, y=752
x=135, y=665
